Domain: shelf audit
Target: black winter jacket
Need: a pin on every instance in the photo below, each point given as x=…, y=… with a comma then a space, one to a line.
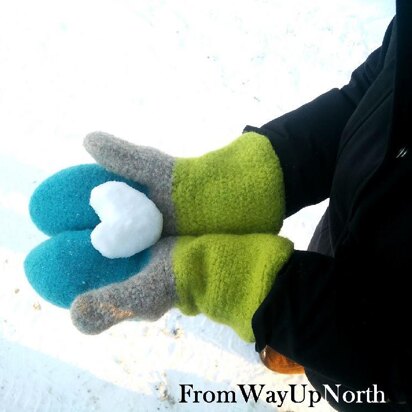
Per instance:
x=344, y=312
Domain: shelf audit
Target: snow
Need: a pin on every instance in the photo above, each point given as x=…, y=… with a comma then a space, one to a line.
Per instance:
x=130, y=221
x=184, y=77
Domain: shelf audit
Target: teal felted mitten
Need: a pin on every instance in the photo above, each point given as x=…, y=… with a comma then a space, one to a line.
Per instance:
x=67, y=265
x=61, y=202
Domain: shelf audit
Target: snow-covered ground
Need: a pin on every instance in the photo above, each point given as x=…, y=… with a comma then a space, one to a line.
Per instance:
x=182, y=76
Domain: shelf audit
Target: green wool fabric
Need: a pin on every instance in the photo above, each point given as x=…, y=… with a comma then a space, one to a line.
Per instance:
x=242, y=182
x=227, y=277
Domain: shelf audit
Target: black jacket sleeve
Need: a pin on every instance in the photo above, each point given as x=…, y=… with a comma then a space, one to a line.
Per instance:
x=303, y=317
x=306, y=140
x=299, y=318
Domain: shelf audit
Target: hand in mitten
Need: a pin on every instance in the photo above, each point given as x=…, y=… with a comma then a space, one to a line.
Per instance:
x=67, y=265
x=225, y=277
x=237, y=189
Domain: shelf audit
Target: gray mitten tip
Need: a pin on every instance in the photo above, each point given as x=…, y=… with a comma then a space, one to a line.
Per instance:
x=91, y=317
x=147, y=295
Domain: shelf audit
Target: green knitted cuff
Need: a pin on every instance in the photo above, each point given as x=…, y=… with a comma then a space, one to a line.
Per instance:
x=226, y=277
x=237, y=189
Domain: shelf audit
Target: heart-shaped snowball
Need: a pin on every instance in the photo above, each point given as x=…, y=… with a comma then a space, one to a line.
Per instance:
x=130, y=221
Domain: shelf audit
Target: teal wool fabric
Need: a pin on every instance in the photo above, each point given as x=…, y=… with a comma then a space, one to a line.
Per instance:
x=66, y=265
x=61, y=202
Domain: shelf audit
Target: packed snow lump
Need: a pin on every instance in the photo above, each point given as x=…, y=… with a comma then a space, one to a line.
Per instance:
x=130, y=221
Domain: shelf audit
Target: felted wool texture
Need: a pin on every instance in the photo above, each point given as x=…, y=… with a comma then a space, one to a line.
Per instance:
x=236, y=189
x=142, y=164
x=227, y=277
x=67, y=265
x=61, y=202
x=145, y=296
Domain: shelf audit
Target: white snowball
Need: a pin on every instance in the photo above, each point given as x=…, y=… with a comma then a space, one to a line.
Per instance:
x=130, y=221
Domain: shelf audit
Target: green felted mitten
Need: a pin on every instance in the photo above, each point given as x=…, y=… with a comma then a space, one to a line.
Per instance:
x=236, y=189
x=225, y=277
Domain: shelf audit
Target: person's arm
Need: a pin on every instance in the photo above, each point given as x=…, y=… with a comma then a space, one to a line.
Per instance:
x=299, y=319
x=306, y=317
x=301, y=316
x=306, y=140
